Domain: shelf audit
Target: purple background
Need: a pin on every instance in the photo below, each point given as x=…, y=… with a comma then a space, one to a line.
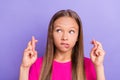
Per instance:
x=19, y=20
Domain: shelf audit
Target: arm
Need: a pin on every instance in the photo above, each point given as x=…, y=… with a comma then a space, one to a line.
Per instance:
x=24, y=72
x=29, y=57
x=100, y=72
x=97, y=56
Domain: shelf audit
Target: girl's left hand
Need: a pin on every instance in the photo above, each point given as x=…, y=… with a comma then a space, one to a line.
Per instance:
x=97, y=53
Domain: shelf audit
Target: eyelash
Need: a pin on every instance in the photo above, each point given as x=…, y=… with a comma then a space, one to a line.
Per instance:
x=57, y=30
x=71, y=31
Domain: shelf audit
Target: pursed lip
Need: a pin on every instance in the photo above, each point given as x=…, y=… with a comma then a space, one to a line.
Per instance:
x=66, y=45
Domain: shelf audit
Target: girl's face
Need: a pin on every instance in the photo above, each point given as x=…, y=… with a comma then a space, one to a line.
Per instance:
x=65, y=34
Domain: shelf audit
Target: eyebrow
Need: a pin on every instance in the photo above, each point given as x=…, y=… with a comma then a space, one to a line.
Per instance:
x=74, y=28
x=58, y=26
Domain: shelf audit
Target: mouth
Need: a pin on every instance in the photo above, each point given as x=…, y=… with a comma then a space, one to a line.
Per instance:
x=66, y=45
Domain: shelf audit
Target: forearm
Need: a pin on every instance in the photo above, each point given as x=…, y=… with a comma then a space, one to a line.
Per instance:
x=24, y=73
x=100, y=72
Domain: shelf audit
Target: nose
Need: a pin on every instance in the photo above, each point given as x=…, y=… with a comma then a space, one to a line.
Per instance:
x=65, y=36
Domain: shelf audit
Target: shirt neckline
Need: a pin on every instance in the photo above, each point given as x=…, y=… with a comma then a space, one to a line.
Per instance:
x=67, y=62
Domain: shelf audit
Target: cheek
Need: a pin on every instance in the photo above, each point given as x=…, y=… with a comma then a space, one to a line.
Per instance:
x=56, y=38
x=74, y=39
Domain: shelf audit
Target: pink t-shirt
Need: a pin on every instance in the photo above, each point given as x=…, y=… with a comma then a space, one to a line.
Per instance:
x=62, y=71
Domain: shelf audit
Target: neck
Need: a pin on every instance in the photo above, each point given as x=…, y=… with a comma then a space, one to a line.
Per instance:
x=63, y=56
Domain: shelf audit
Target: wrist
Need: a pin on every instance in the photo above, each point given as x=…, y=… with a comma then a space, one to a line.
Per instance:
x=22, y=67
x=100, y=72
x=98, y=65
x=24, y=73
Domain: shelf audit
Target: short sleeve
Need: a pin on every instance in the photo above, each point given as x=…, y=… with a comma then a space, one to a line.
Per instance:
x=35, y=70
x=33, y=73
x=89, y=69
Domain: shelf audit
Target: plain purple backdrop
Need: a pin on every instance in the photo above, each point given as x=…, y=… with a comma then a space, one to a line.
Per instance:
x=20, y=19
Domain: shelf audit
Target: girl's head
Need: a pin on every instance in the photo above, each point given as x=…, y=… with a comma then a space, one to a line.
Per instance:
x=64, y=34
x=65, y=27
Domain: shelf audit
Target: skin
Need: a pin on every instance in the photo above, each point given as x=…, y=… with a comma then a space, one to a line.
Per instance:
x=29, y=57
x=65, y=36
x=97, y=56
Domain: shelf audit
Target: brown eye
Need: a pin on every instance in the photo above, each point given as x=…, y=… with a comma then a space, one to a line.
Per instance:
x=71, y=31
x=58, y=30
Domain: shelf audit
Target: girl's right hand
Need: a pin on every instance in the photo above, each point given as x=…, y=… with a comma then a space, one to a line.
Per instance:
x=30, y=54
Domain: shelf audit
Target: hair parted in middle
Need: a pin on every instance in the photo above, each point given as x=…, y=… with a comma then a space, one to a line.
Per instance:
x=77, y=57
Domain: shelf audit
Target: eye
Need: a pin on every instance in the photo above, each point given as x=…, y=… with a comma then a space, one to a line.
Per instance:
x=58, y=30
x=71, y=31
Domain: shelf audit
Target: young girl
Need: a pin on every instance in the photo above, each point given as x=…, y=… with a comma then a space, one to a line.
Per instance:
x=64, y=58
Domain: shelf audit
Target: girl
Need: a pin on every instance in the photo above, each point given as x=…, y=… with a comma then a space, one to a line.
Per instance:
x=64, y=58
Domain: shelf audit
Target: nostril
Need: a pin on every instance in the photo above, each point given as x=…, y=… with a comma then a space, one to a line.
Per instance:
x=64, y=38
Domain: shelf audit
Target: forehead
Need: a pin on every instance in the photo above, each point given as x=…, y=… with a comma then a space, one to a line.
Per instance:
x=65, y=22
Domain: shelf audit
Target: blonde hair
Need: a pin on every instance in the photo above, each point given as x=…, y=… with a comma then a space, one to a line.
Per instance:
x=77, y=57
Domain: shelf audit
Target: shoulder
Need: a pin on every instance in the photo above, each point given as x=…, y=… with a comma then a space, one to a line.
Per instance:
x=38, y=63
x=39, y=60
x=87, y=60
x=35, y=69
x=88, y=63
x=89, y=69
